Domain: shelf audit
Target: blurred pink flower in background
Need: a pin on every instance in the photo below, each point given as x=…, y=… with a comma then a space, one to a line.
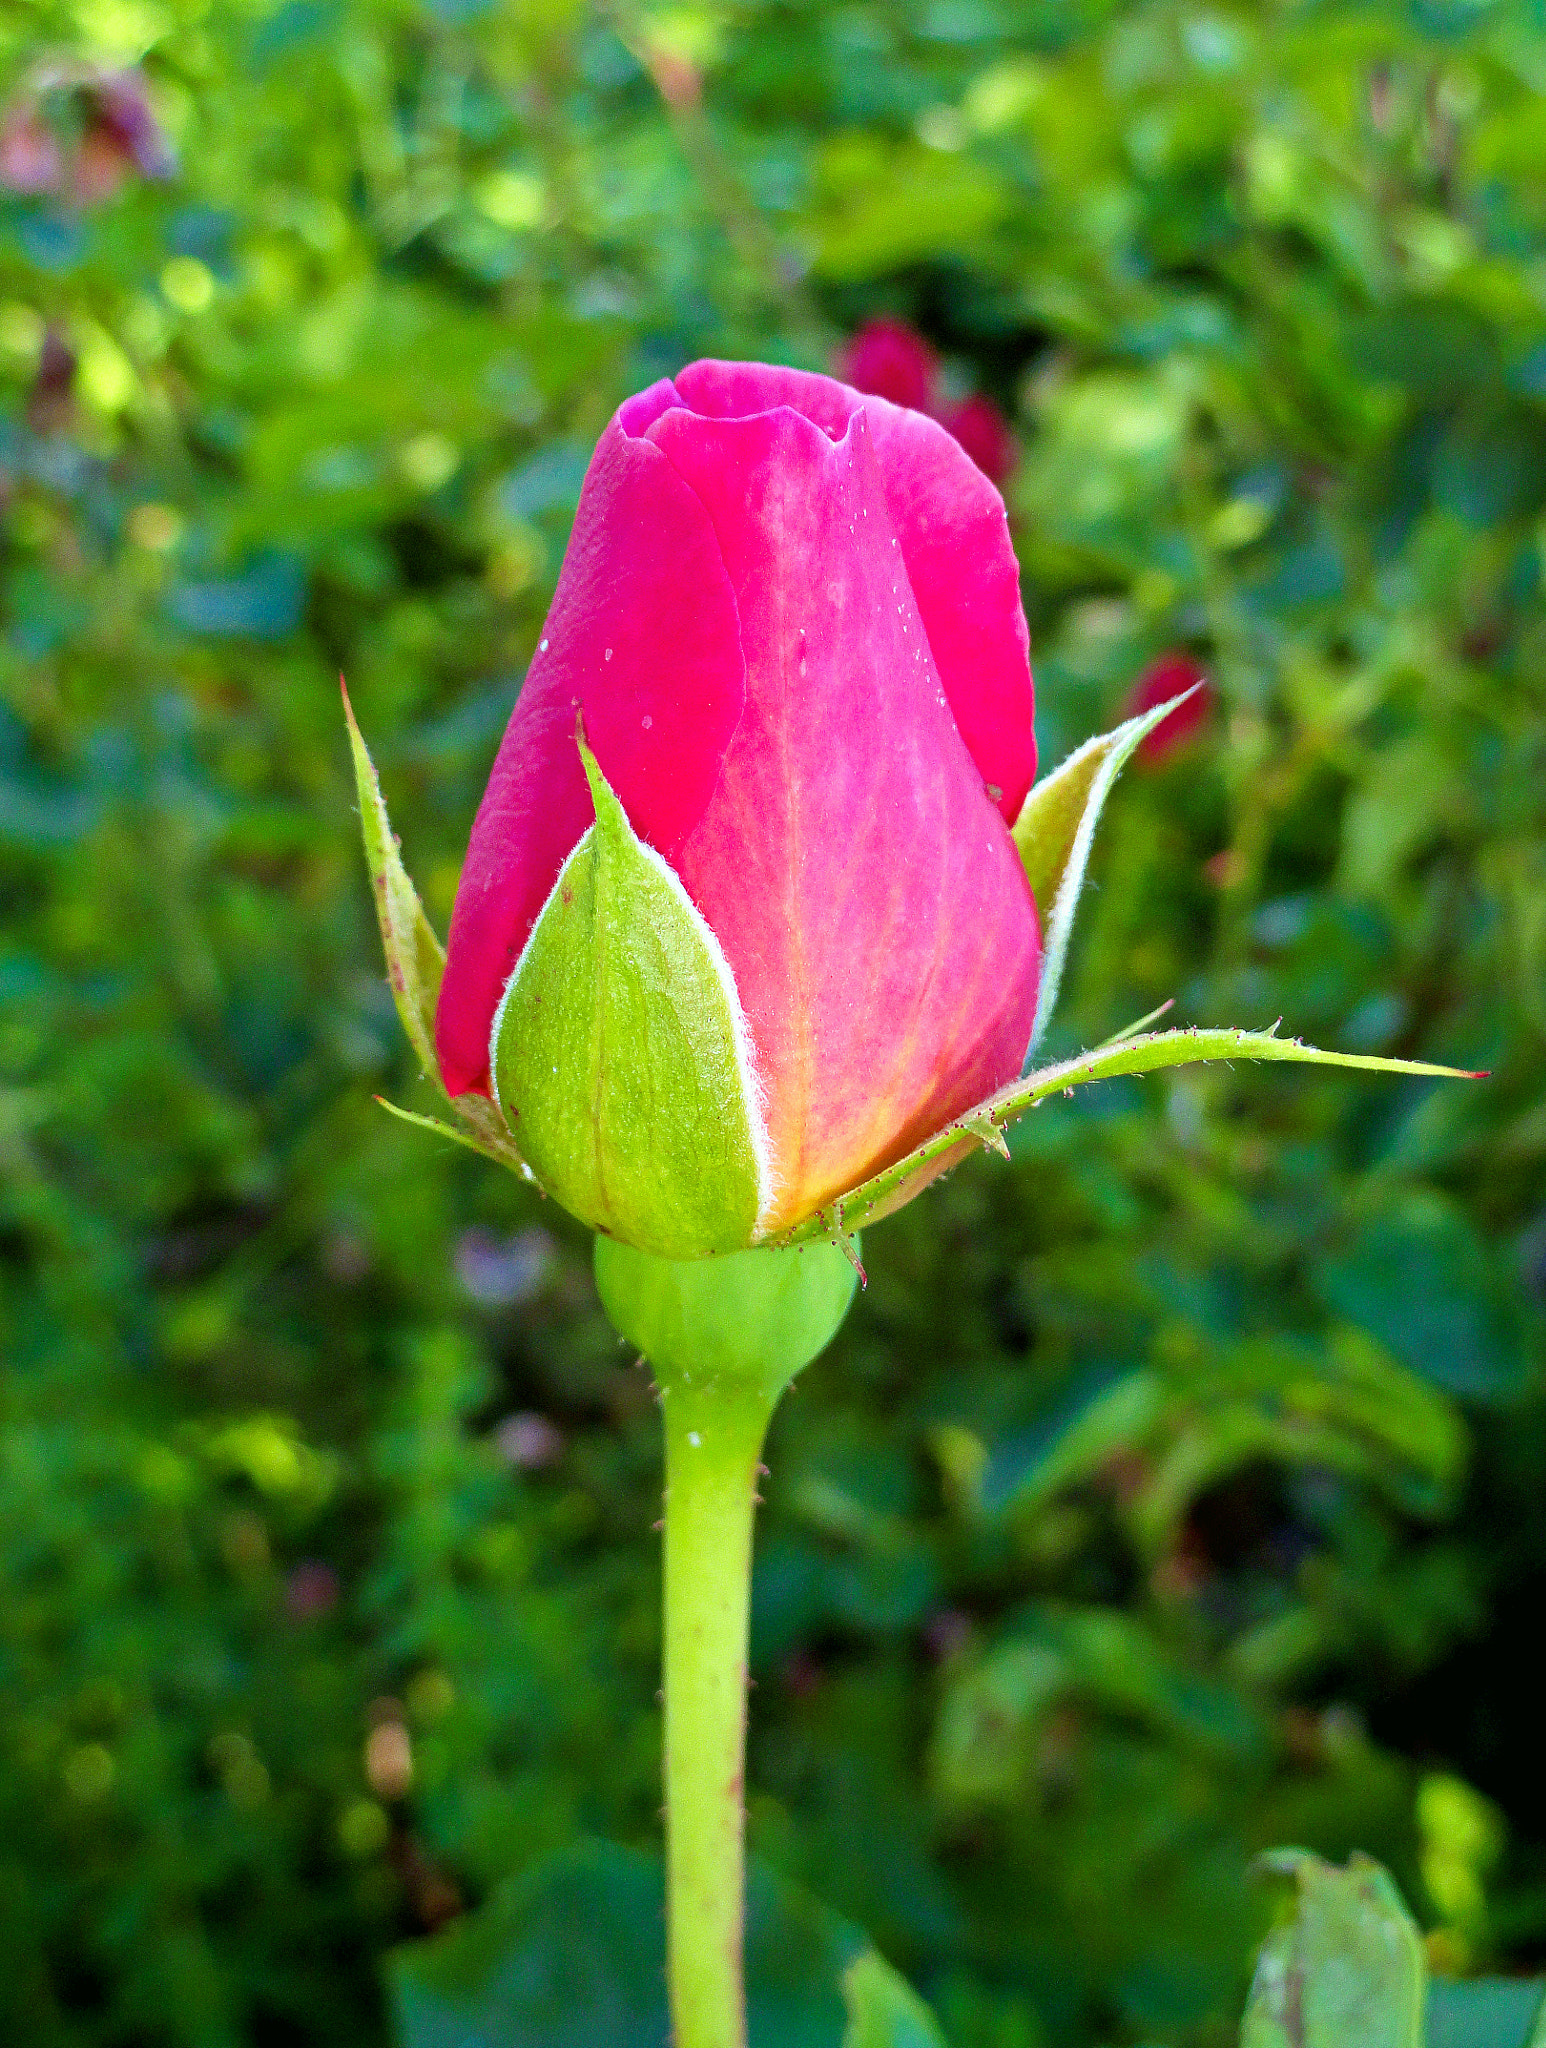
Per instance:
x=30, y=157
x=1172, y=675
x=983, y=432
x=889, y=359
x=77, y=131
x=529, y=1441
x=311, y=1589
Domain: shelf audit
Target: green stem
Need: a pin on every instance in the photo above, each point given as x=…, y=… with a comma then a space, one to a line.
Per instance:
x=725, y=1336
x=714, y=1436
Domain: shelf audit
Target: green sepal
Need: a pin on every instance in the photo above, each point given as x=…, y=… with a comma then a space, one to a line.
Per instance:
x=1347, y=1968
x=983, y=1124
x=618, y=1054
x=1054, y=833
x=415, y=961
x=753, y=1317
x=415, y=957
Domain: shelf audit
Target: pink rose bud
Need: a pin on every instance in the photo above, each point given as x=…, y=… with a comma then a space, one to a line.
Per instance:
x=983, y=432
x=1171, y=676
x=889, y=359
x=742, y=919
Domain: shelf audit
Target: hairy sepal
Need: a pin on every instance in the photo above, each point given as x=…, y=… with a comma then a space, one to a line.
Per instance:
x=619, y=1053
x=983, y=1126
x=1054, y=833
x=415, y=961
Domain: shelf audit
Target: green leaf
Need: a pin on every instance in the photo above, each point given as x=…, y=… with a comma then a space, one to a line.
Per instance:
x=891, y=1190
x=883, y=2010
x=996, y=1707
x=1073, y=1442
x=1487, y=2012
x=566, y=1956
x=620, y=1053
x=1348, y=1967
x=571, y=1954
x=1421, y=1279
x=1055, y=831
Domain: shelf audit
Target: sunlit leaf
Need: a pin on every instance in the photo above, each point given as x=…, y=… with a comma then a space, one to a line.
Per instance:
x=883, y=2010
x=1347, y=1967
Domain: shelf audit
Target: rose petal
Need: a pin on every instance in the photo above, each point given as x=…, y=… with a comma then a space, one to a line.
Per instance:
x=955, y=538
x=955, y=542
x=641, y=638
x=865, y=891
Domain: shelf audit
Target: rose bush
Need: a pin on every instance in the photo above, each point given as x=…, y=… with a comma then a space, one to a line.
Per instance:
x=742, y=919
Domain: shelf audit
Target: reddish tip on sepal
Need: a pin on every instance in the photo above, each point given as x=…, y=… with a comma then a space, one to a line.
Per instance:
x=845, y=1244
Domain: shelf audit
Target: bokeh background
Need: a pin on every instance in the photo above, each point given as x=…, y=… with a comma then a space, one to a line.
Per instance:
x=1177, y=1492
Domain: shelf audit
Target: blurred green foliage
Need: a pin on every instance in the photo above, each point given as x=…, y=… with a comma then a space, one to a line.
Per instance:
x=1178, y=1492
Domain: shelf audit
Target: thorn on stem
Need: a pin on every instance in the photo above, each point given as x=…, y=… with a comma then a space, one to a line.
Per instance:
x=845, y=1244
x=986, y=1129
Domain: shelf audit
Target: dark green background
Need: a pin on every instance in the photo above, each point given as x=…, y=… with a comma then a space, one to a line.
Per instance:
x=1172, y=1494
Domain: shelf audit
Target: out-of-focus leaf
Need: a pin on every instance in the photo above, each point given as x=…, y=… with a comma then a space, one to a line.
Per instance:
x=883, y=2010
x=1486, y=2012
x=571, y=1955
x=567, y=1957
x=263, y=603
x=996, y=1710
x=1418, y=1278
x=548, y=481
x=1072, y=1442
x=1347, y=1967
x=881, y=208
